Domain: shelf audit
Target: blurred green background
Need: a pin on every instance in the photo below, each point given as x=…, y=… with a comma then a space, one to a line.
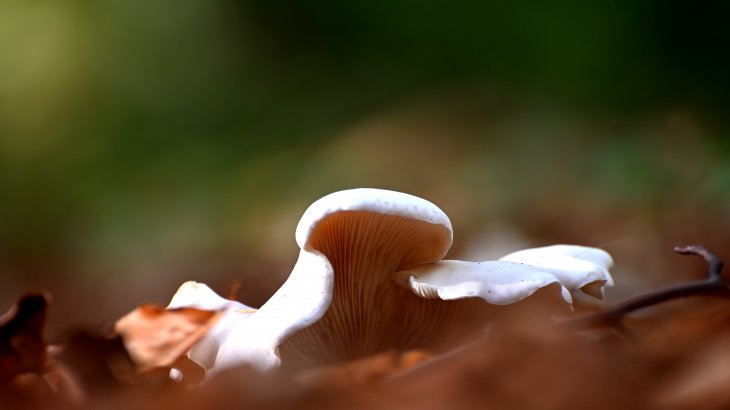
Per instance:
x=144, y=143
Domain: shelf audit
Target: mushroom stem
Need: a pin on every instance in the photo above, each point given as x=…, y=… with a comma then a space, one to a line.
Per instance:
x=301, y=301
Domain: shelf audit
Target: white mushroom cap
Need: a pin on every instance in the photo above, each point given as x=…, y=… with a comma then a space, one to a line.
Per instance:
x=377, y=201
x=515, y=276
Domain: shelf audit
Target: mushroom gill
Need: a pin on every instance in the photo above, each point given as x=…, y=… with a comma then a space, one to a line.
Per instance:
x=369, y=312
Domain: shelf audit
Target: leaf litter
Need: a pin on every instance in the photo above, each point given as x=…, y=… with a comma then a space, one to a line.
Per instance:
x=676, y=356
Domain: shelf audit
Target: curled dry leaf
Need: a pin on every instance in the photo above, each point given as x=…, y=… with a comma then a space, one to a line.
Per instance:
x=22, y=344
x=156, y=337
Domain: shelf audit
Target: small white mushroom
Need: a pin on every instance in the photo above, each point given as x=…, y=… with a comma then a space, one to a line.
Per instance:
x=370, y=277
x=515, y=276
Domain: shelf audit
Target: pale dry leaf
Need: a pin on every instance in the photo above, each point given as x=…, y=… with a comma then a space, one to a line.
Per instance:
x=157, y=337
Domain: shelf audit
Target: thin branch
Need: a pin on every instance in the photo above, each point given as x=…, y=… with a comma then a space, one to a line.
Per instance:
x=714, y=263
x=714, y=285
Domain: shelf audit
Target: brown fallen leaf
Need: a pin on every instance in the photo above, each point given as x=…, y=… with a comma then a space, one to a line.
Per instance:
x=701, y=381
x=690, y=342
x=368, y=370
x=156, y=337
x=22, y=343
x=90, y=368
x=94, y=364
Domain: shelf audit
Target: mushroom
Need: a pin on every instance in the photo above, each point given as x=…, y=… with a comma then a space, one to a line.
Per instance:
x=370, y=277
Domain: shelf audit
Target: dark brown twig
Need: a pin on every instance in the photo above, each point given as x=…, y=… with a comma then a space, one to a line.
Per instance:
x=714, y=285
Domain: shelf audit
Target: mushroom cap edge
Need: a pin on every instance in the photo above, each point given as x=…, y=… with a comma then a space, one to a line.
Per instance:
x=375, y=200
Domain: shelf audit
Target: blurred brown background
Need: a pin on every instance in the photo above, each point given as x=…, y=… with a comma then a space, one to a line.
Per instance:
x=144, y=143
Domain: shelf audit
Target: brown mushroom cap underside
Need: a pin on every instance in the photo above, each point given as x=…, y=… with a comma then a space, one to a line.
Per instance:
x=369, y=312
